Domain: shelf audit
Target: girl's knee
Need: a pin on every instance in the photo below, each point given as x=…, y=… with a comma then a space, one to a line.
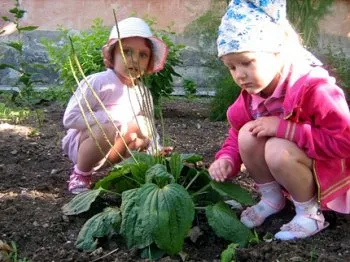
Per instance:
x=104, y=131
x=141, y=126
x=281, y=153
x=247, y=142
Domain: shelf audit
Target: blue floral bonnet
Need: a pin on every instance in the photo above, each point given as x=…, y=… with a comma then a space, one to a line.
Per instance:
x=255, y=26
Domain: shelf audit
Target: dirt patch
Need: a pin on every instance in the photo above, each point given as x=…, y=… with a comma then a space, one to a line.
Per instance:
x=33, y=174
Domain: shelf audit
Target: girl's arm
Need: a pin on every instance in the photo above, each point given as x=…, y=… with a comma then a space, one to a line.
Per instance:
x=328, y=136
x=229, y=151
x=237, y=116
x=73, y=116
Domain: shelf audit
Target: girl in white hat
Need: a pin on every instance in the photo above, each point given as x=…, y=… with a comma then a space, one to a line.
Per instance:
x=290, y=126
x=123, y=103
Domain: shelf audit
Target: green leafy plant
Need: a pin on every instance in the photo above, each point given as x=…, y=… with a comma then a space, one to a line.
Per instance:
x=161, y=83
x=10, y=252
x=339, y=65
x=190, y=88
x=88, y=46
x=226, y=92
x=305, y=16
x=25, y=97
x=13, y=114
x=159, y=196
x=229, y=254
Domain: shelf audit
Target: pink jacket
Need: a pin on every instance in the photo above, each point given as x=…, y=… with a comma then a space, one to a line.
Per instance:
x=317, y=119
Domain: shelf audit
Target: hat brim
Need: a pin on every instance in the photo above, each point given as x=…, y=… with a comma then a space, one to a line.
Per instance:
x=158, y=59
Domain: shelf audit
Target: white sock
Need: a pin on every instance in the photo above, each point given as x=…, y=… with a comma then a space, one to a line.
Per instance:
x=304, y=223
x=82, y=173
x=272, y=201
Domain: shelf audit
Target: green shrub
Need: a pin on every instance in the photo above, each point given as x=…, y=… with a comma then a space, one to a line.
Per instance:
x=339, y=65
x=190, y=88
x=305, y=16
x=161, y=83
x=226, y=92
x=88, y=45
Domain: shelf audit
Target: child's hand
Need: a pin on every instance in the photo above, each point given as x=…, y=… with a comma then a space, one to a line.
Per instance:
x=220, y=169
x=265, y=126
x=166, y=151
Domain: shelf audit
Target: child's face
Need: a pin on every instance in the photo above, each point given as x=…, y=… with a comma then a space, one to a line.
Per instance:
x=138, y=56
x=254, y=72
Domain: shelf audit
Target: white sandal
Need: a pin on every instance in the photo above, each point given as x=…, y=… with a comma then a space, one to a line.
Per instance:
x=294, y=230
x=251, y=217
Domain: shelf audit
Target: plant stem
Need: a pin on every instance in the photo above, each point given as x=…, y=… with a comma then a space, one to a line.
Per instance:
x=200, y=208
x=104, y=256
x=191, y=182
x=201, y=190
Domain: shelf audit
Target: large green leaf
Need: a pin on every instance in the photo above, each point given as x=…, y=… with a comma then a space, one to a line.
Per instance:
x=140, y=157
x=191, y=158
x=99, y=225
x=174, y=213
x=138, y=171
x=81, y=202
x=226, y=224
x=159, y=175
x=160, y=215
x=124, y=177
x=233, y=191
x=136, y=232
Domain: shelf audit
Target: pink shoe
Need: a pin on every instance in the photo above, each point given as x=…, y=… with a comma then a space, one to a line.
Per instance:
x=78, y=183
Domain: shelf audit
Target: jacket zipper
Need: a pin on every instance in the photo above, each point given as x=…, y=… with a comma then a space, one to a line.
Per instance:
x=317, y=185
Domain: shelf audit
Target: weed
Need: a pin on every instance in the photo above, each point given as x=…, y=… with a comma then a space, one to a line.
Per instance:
x=190, y=88
x=226, y=93
x=25, y=97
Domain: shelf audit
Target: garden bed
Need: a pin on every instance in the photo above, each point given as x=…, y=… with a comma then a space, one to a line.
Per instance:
x=33, y=174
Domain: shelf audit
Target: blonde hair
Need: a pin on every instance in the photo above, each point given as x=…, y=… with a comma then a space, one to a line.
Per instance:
x=292, y=49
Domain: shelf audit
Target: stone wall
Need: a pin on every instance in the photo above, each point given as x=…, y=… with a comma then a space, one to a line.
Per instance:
x=194, y=22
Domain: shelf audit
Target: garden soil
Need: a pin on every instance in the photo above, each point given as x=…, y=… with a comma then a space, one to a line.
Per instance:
x=33, y=189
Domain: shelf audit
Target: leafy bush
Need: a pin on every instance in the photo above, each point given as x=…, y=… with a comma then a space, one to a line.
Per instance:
x=159, y=200
x=226, y=92
x=88, y=45
x=339, y=66
x=305, y=16
x=161, y=83
x=190, y=88
x=24, y=98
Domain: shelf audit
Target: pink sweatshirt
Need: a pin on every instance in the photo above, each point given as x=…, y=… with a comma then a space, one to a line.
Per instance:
x=121, y=102
x=316, y=117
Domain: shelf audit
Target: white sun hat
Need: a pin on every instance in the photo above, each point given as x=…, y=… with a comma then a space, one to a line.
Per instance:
x=136, y=27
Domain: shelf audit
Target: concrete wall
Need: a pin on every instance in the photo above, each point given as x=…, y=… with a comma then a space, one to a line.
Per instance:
x=335, y=27
x=78, y=14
